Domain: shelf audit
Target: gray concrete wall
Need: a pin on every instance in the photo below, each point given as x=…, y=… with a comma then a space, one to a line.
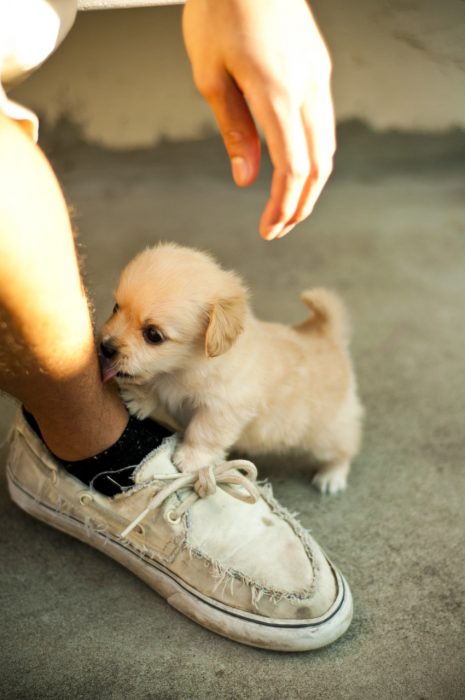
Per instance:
x=122, y=76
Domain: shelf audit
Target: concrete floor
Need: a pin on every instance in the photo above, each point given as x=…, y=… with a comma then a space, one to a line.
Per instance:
x=389, y=233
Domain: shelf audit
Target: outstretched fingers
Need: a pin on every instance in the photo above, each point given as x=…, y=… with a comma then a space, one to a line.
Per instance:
x=286, y=140
x=318, y=121
x=301, y=142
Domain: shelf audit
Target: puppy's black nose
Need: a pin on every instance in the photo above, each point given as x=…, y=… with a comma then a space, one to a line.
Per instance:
x=108, y=350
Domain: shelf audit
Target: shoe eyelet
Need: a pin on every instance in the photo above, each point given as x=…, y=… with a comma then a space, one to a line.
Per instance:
x=173, y=520
x=140, y=529
x=85, y=499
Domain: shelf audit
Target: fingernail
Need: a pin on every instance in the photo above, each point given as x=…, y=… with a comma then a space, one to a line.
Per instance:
x=273, y=232
x=240, y=170
x=285, y=231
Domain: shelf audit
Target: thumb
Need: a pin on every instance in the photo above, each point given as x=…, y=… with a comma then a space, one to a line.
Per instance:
x=238, y=130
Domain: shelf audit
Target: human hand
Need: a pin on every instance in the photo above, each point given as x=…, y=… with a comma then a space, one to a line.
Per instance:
x=264, y=62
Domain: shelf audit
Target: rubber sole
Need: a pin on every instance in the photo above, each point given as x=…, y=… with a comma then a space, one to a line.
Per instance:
x=246, y=628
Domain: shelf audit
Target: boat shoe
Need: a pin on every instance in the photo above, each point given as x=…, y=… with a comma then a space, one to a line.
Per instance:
x=215, y=544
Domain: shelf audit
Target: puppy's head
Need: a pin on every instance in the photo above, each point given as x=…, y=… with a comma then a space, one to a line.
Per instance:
x=174, y=307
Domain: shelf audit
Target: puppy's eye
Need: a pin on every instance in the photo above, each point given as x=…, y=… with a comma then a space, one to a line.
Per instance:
x=115, y=308
x=152, y=335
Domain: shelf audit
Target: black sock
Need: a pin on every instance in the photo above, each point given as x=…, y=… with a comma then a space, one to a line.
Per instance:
x=110, y=471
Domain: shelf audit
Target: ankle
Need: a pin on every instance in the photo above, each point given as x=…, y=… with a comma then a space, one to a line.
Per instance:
x=75, y=432
x=111, y=471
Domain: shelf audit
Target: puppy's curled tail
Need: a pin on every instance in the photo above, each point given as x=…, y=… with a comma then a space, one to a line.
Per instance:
x=328, y=313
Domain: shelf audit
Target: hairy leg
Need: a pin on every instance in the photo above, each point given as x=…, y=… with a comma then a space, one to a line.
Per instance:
x=47, y=354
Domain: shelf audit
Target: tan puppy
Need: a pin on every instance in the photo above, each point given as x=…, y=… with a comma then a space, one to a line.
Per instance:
x=183, y=340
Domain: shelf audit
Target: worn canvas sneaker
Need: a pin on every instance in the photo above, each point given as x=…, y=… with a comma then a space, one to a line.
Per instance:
x=217, y=546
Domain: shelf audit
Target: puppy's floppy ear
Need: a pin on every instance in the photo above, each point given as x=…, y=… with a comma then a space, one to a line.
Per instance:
x=226, y=320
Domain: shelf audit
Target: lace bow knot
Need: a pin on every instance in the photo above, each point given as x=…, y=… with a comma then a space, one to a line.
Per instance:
x=237, y=478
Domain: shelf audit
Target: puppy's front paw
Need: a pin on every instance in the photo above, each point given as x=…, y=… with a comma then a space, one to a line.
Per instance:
x=137, y=406
x=190, y=459
x=138, y=411
x=331, y=481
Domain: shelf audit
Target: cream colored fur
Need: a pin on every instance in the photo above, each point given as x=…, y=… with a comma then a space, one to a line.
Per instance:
x=227, y=379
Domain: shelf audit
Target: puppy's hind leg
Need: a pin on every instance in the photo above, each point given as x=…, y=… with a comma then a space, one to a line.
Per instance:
x=332, y=478
x=335, y=443
x=335, y=448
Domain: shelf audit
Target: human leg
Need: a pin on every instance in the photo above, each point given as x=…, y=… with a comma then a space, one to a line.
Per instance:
x=47, y=354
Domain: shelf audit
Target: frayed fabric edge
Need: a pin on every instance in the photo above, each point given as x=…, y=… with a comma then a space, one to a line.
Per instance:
x=227, y=577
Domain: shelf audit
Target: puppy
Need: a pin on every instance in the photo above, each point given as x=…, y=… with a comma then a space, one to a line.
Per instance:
x=186, y=348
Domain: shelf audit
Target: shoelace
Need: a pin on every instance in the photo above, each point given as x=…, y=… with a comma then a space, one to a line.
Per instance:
x=233, y=477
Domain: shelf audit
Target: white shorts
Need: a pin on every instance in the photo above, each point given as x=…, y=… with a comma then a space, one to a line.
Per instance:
x=30, y=30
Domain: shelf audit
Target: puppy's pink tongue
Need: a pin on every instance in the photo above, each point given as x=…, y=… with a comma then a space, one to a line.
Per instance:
x=107, y=369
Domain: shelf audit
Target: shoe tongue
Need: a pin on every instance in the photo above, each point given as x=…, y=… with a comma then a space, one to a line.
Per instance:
x=157, y=462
